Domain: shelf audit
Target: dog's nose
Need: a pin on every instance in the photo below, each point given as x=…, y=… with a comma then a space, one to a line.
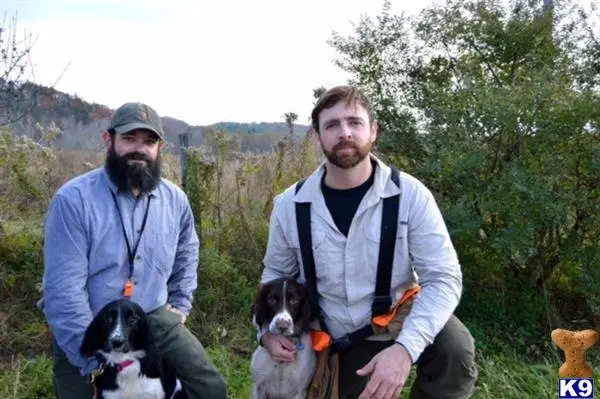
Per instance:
x=283, y=325
x=117, y=342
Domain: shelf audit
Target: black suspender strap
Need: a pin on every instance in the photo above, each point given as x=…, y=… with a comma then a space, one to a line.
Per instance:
x=389, y=226
x=382, y=300
x=305, y=238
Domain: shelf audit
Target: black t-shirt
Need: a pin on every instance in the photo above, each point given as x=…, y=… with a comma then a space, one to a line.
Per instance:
x=343, y=203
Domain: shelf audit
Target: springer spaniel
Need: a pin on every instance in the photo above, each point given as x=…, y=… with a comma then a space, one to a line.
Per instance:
x=119, y=337
x=282, y=307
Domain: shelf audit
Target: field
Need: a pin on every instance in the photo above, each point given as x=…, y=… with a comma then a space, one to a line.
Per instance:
x=231, y=194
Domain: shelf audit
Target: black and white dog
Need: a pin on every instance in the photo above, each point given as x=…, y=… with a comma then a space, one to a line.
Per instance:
x=119, y=337
x=282, y=307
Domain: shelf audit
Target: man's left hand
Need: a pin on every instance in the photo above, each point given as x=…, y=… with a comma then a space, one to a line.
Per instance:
x=179, y=312
x=389, y=369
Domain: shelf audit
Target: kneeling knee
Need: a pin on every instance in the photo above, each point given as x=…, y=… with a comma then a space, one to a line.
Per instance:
x=220, y=386
x=458, y=352
x=464, y=354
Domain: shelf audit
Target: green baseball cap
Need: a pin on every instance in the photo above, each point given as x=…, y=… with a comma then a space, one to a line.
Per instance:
x=131, y=116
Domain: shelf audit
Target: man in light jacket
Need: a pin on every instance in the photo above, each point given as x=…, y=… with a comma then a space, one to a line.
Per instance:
x=346, y=194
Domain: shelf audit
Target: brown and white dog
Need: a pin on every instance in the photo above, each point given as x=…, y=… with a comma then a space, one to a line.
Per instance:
x=282, y=306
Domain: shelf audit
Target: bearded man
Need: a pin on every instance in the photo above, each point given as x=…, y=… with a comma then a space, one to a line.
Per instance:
x=346, y=244
x=123, y=231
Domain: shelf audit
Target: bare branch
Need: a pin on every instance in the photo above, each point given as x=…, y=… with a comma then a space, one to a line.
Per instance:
x=15, y=61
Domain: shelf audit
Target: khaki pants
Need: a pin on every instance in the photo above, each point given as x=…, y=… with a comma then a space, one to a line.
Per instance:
x=446, y=369
x=174, y=341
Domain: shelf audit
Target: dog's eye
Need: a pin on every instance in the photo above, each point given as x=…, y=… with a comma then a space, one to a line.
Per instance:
x=294, y=301
x=131, y=319
x=108, y=318
x=272, y=301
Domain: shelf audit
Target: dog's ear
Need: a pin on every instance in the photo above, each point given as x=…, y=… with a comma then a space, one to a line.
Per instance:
x=142, y=339
x=93, y=338
x=254, y=305
x=259, y=306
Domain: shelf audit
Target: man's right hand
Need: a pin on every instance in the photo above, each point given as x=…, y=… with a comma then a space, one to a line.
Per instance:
x=281, y=348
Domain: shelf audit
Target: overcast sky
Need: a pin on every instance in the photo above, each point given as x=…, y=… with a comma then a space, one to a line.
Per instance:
x=201, y=61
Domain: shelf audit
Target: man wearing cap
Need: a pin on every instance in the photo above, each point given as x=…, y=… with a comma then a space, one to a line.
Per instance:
x=123, y=231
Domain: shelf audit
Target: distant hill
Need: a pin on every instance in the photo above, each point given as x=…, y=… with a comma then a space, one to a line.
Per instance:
x=79, y=123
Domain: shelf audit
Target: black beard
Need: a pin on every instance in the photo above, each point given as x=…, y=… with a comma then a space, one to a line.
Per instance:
x=128, y=177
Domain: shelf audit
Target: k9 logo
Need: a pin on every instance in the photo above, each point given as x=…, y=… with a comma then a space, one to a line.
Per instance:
x=576, y=388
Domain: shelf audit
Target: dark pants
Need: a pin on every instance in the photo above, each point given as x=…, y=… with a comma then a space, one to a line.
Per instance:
x=174, y=341
x=445, y=369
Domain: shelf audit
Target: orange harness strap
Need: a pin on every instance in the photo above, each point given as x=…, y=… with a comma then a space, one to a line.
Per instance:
x=322, y=340
x=385, y=319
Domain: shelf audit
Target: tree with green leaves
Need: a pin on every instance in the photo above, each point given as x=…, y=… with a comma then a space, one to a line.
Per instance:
x=496, y=107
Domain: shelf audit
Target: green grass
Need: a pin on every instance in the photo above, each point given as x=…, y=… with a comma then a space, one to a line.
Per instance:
x=500, y=376
x=27, y=378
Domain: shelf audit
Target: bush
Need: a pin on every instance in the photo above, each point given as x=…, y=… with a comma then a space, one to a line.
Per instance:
x=22, y=330
x=221, y=312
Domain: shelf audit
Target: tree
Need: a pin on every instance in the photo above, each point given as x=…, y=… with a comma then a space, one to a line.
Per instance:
x=497, y=109
x=376, y=57
x=14, y=64
x=290, y=118
x=318, y=92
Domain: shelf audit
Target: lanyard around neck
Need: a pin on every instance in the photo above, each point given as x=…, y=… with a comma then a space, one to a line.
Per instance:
x=131, y=254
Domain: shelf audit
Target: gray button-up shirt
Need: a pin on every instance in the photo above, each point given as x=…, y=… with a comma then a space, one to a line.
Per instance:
x=86, y=262
x=346, y=267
